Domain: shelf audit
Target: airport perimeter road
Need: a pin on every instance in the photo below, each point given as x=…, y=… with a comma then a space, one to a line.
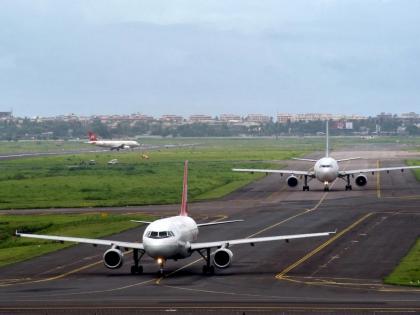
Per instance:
x=376, y=226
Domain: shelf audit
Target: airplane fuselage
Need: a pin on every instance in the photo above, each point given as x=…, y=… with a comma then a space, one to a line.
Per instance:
x=326, y=170
x=170, y=238
x=115, y=144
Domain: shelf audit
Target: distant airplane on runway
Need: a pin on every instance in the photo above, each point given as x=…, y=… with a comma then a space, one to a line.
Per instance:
x=172, y=238
x=112, y=144
x=326, y=170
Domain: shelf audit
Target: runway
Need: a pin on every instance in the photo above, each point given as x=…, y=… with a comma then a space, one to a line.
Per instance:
x=376, y=226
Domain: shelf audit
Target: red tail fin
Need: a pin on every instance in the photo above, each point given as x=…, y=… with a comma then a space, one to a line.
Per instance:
x=184, y=203
x=92, y=136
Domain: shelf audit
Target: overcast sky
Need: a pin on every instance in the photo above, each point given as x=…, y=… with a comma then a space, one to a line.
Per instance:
x=211, y=57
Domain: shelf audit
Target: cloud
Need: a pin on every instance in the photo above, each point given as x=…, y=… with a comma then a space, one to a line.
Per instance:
x=208, y=56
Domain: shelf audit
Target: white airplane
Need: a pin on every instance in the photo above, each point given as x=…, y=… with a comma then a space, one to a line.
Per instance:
x=112, y=144
x=327, y=170
x=172, y=238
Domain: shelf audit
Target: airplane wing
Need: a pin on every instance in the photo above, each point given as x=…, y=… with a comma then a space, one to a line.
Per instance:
x=92, y=241
x=218, y=222
x=380, y=169
x=198, y=246
x=292, y=172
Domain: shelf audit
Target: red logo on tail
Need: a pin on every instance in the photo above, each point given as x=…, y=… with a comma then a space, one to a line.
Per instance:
x=92, y=136
x=184, y=203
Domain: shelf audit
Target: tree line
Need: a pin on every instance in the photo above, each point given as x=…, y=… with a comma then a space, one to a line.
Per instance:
x=30, y=129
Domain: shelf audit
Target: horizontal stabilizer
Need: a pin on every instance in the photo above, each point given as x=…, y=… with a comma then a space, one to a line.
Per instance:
x=218, y=222
x=138, y=221
x=306, y=160
x=349, y=159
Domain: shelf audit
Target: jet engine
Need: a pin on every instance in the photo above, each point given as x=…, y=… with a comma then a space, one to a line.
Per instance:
x=292, y=181
x=126, y=146
x=113, y=258
x=361, y=180
x=222, y=258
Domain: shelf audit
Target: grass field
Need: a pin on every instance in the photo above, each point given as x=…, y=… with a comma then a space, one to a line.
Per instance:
x=93, y=225
x=69, y=181
x=408, y=271
x=11, y=147
x=416, y=172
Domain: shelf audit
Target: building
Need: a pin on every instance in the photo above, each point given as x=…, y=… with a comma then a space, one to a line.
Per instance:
x=172, y=118
x=285, y=118
x=410, y=116
x=384, y=116
x=230, y=118
x=201, y=119
x=258, y=118
x=141, y=117
x=6, y=115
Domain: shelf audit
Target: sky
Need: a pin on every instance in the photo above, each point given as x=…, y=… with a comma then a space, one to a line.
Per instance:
x=209, y=57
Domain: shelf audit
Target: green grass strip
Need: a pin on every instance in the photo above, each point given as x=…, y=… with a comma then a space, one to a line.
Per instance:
x=93, y=225
x=407, y=273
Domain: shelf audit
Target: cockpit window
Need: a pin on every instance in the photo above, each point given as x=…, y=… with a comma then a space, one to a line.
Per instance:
x=161, y=234
x=326, y=166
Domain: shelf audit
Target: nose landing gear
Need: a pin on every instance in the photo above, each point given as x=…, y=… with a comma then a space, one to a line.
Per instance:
x=161, y=263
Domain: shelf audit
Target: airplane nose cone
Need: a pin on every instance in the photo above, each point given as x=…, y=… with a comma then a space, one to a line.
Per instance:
x=164, y=248
x=326, y=175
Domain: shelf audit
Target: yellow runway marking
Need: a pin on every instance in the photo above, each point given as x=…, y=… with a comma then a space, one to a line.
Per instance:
x=378, y=181
x=321, y=247
x=58, y=276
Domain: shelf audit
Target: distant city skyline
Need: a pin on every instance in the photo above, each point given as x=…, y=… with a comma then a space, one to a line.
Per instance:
x=205, y=113
x=224, y=115
x=196, y=56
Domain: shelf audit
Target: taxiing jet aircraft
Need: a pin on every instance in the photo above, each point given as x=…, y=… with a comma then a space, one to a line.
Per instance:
x=112, y=144
x=172, y=238
x=327, y=170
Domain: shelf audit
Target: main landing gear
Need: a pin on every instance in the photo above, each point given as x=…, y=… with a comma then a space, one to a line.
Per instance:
x=137, y=268
x=207, y=268
x=348, y=186
x=305, y=185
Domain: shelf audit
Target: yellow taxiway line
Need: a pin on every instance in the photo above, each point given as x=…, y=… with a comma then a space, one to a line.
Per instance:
x=281, y=274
